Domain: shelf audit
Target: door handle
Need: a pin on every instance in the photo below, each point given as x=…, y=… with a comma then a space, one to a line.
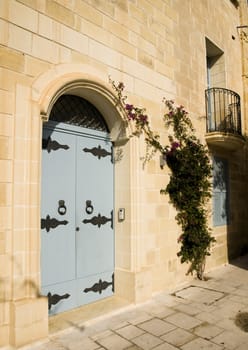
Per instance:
x=62, y=207
x=89, y=207
x=77, y=229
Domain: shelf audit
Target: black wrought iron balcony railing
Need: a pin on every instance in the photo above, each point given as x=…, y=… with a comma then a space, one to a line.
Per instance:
x=223, y=111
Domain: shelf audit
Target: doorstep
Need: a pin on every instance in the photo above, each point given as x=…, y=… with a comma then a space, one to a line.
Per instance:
x=86, y=313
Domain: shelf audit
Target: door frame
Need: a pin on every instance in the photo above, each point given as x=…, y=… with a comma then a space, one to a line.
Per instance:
x=79, y=134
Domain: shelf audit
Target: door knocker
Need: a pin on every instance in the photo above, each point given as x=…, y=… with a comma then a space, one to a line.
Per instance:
x=62, y=208
x=89, y=207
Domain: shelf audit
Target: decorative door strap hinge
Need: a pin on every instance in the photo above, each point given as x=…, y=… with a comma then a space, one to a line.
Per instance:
x=100, y=286
x=49, y=223
x=99, y=220
x=52, y=145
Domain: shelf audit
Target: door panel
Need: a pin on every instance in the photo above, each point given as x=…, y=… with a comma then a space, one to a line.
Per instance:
x=61, y=296
x=95, y=287
x=94, y=184
x=57, y=184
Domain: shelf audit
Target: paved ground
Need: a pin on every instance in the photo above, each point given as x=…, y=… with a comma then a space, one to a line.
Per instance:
x=201, y=316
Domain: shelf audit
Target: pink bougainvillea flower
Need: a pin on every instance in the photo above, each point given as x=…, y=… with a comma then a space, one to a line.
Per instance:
x=129, y=107
x=175, y=145
x=121, y=86
x=143, y=118
x=131, y=116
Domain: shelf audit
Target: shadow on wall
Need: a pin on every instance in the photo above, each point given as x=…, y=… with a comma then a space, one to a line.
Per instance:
x=31, y=288
x=241, y=262
x=230, y=197
x=237, y=228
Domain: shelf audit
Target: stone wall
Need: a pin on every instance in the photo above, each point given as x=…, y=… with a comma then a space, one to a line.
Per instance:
x=157, y=49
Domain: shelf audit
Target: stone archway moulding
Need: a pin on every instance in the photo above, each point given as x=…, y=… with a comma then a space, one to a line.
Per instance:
x=69, y=79
x=87, y=82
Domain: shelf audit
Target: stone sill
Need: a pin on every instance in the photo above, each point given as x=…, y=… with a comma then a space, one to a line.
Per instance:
x=225, y=141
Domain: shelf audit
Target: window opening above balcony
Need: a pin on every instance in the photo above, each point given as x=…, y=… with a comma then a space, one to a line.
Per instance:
x=215, y=65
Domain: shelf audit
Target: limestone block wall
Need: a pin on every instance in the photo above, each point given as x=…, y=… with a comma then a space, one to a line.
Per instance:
x=158, y=49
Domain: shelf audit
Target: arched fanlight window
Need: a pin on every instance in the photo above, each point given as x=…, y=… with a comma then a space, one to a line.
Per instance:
x=76, y=110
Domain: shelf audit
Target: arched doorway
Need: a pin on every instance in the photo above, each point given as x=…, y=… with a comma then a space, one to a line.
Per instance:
x=77, y=233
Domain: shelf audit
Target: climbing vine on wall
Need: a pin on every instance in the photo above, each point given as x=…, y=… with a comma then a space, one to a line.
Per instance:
x=189, y=185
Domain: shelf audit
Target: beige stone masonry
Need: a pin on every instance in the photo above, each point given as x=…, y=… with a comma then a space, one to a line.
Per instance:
x=157, y=49
x=34, y=66
x=122, y=5
x=108, y=8
x=146, y=6
x=4, y=35
x=145, y=59
x=150, y=79
x=89, y=13
x=11, y=59
x=20, y=39
x=6, y=102
x=6, y=173
x=164, y=70
x=157, y=27
x=95, y=32
x=124, y=18
x=23, y=16
x=10, y=78
x=36, y=5
x=29, y=320
x=117, y=29
x=5, y=148
x=124, y=47
x=139, y=14
x=104, y=54
x=74, y=40
x=5, y=194
x=45, y=49
x=60, y=13
x=4, y=9
x=5, y=218
x=147, y=43
x=49, y=28
x=2, y=243
x=144, y=45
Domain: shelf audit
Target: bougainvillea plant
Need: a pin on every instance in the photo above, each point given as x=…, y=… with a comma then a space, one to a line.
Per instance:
x=189, y=185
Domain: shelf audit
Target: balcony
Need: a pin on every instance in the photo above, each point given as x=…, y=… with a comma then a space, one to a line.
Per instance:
x=223, y=119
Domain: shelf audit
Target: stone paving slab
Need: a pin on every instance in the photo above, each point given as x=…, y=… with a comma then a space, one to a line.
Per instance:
x=183, y=320
x=207, y=331
x=147, y=341
x=202, y=344
x=200, y=316
x=203, y=295
x=157, y=327
x=230, y=339
x=178, y=337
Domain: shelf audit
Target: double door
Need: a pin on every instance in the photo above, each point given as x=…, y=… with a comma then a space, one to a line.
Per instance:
x=77, y=236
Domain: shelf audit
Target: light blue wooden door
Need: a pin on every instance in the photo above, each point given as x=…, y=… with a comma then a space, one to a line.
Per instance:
x=77, y=236
x=220, y=192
